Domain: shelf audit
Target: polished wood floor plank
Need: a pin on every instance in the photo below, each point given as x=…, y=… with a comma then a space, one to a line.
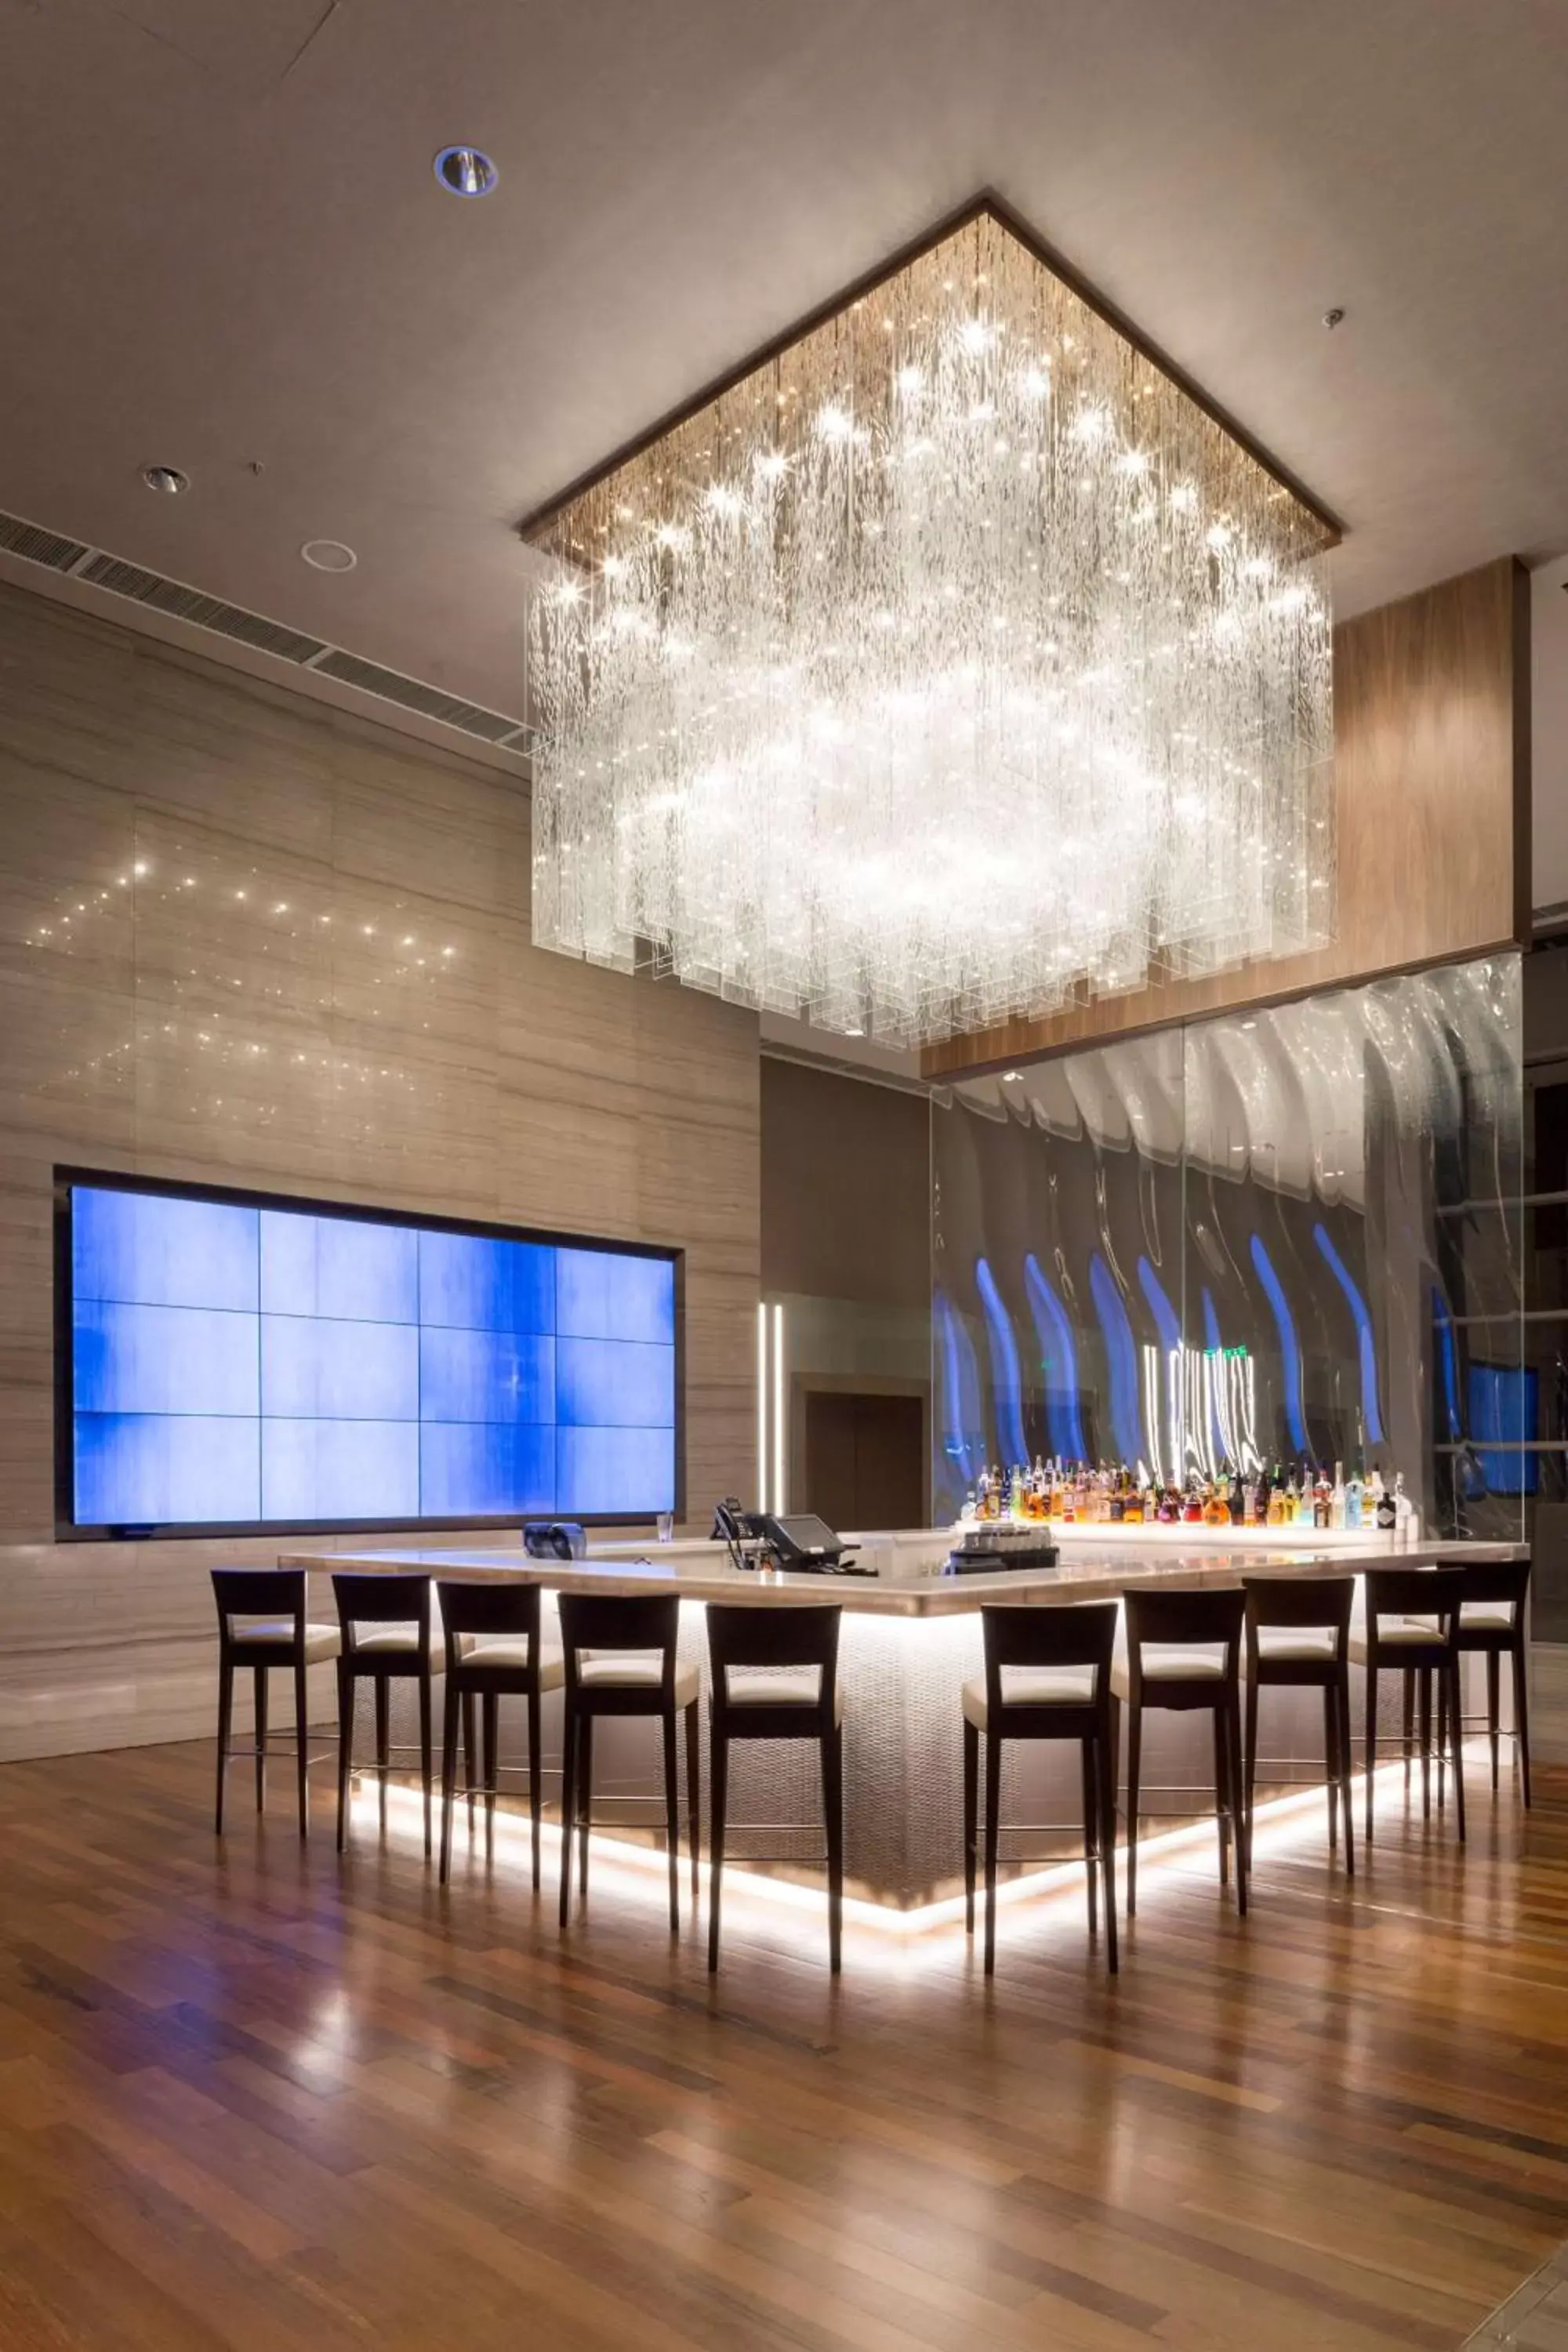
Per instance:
x=249, y=2097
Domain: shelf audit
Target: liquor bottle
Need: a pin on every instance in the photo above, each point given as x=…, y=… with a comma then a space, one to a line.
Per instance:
x=1304, y=1499
x=1337, y=1497
x=970, y=1508
x=1133, y=1511
x=1217, y=1504
x=1406, y=1518
x=1260, y=1498
x=1356, y=1501
x=1387, y=1511
x=1322, y=1504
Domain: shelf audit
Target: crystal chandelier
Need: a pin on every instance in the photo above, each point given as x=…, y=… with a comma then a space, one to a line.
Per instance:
x=950, y=664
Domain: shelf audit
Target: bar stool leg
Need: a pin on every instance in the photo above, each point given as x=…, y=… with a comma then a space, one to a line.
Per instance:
x=534, y=1775
x=303, y=1742
x=1134, y=1753
x=568, y=1805
x=833, y=1821
x=1243, y=1841
x=971, y=1819
x=1222, y=1794
x=1442, y=1737
x=1521, y=1709
x=1103, y=1749
x=1249, y=1762
x=1340, y=1695
x=1330, y=1768
x=345, y=1745
x=1455, y=1735
x=992, y=1835
x=1371, y=1739
x=450, y=1770
x=224, y=1728
x=1090, y=1836
x=585, y=1796
x=382, y=1739
x=427, y=1761
x=1423, y=1716
x=693, y=1799
x=470, y=1751
x=718, y=1807
x=1409, y=1722
x=1494, y=1709
x=672, y=1817
x=260, y=1738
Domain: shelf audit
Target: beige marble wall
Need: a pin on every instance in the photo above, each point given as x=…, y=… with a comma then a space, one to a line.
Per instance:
x=246, y=940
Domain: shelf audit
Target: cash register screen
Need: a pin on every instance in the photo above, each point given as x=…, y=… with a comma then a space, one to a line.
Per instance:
x=807, y=1533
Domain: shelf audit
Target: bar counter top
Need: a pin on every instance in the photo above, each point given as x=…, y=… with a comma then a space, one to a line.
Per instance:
x=1095, y=1563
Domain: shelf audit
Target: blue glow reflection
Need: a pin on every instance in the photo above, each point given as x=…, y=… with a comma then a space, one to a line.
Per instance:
x=1006, y=1377
x=1289, y=1346
x=1364, y=1342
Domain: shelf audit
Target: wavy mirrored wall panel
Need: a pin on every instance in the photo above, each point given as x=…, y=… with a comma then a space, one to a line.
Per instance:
x=1290, y=1236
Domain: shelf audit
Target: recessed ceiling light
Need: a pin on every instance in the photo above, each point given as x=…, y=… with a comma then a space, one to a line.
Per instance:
x=465, y=172
x=328, y=555
x=166, y=478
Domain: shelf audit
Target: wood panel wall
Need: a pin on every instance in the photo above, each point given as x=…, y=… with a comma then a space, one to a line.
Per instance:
x=245, y=939
x=1432, y=788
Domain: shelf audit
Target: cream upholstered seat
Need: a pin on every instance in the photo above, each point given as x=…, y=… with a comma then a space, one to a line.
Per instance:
x=475, y=1650
x=1172, y=1662
x=321, y=1642
x=1397, y=1632
x=1477, y=1617
x=400, y=1641
x=1295, y=1644
x=783, y=1687
x=1031, y=1686
x=634, y=1670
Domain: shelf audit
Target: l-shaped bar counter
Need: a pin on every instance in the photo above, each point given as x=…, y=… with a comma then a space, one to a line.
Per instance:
x=911, y=1639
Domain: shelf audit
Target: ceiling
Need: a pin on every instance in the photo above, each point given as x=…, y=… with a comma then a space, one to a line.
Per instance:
x=225, y=247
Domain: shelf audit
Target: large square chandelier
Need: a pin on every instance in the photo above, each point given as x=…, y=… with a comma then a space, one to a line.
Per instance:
x=952, y=662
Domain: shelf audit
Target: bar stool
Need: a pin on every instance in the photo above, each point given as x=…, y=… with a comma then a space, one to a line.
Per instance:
x=276, y=1634
x=620, y=1660
x=775, y=1676
x=1049, y=1675
x=400, y=1646
x=1411, y=1621
x=493, y=1652
x=1493, y=1599
x=1184, y=1653
x=1298, y=1637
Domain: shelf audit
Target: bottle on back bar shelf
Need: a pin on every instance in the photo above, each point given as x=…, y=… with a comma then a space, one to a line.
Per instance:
x=1304, y=1499
x=1387, y=1513
x=1406, y=1518
x=1321, y=1500
x=1337, y=1497
x=1217, y=1504
x=1259, y=1513
x=1356, y=1501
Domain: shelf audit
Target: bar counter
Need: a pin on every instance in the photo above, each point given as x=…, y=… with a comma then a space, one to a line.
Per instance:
x=911, y=1640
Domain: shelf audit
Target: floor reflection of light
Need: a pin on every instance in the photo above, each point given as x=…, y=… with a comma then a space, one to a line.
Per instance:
x=640, y=1874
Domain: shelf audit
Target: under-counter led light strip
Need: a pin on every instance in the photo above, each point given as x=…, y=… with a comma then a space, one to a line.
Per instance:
x=405, y=1810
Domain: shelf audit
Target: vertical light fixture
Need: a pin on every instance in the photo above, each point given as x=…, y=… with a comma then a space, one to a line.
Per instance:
x=762, y=1406
x=780, y=1417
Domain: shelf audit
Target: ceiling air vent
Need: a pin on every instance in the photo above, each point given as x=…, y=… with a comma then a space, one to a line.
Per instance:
x=171, y=598
x=428, y=700
x=19, y=538
x=204, y=612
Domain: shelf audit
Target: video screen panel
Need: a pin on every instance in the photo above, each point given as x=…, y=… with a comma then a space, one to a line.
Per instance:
x=234, y=1362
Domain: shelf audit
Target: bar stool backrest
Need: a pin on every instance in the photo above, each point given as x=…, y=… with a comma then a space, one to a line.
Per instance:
x=1318, y=1603
x=1416, y=1593
x=803, y=1635
x=1202, y=1617
x=270, y=1592
x=638, y=1621
x=1499, y=1580
x=381, y=1597
x=512, y=1610
x=1080, y=1633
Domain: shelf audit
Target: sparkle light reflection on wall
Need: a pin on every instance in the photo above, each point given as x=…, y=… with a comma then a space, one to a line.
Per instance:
x=237, y=1363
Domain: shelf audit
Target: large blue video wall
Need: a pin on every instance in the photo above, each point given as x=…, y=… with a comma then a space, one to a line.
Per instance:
x=241, y=1364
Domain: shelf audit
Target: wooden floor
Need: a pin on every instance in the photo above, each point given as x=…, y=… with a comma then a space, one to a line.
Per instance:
x=249, y=2100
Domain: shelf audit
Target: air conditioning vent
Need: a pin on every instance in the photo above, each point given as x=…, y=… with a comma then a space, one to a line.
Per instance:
x=115, y=577
x=204, y=612
x=428, y=700
x=26, y=538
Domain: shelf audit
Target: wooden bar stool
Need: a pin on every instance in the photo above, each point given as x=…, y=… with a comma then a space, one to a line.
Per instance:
x=1184, y=1652
x=1412, y=1621
x=494, y=1651
x=1298, y=1637
x=619, y=1656
x=1049, y=1675
x=775, y=1676
x=387, y=1638
x=1494, y=1599
x=262, y=1624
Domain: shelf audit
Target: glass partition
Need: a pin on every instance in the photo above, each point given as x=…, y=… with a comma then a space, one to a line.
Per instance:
x=1287, y=1235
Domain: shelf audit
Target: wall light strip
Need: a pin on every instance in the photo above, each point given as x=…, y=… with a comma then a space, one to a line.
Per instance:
x=762, y=1406
x=780, y=1417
